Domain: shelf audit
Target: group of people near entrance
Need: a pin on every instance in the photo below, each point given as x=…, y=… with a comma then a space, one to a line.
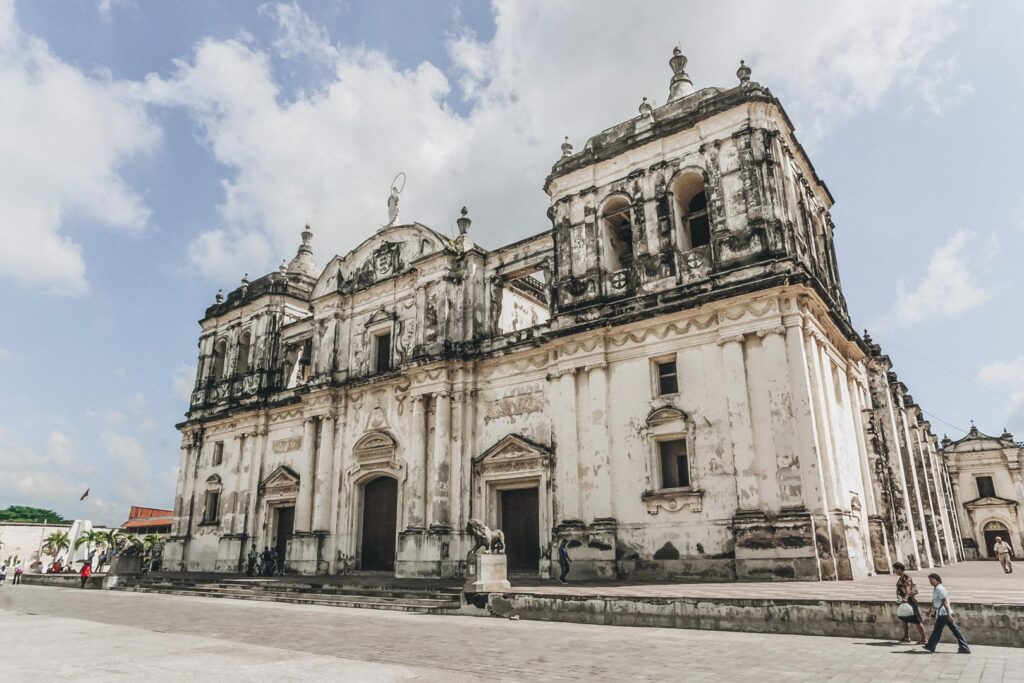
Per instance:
x=263, y=564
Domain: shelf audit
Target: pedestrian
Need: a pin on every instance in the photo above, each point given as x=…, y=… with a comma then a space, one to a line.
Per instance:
x=267, y=561
x=943, y=613
x=19, y=569
x=1004, y=551
x=3, y=574
x=86, y=573
x=906, y=594
x=564, y=560
x=254, y=555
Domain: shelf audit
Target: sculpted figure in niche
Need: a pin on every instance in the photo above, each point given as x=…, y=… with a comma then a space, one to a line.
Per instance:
x=491, y=540
x=497, y=290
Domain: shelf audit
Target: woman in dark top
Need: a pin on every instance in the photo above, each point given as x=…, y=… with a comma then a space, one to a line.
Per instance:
x=906, y=592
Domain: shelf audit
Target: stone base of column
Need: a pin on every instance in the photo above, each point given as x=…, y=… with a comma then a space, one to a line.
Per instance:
x=303, y=553
x=880, y=550
x=592, y=549
x=776, y=548
x=175, y=551
x=229, y=553
x=435, y=553
x=905, y=551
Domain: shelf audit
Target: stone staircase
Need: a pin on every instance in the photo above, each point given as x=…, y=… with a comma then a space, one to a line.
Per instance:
x=352, y=592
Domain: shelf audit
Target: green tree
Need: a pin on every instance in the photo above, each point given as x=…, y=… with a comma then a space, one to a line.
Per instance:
x=151, y=540
x=93, y=537
x=24, y=513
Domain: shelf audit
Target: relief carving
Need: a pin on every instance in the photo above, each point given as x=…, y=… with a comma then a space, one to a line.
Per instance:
x=514, y=405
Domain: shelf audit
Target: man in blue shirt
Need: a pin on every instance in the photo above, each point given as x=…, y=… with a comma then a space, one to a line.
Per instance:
x=940, y=604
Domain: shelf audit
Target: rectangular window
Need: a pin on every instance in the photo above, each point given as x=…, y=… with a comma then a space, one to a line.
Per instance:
x=986, y=489
x=668, y=381
x=675, y=471
x=212, y=511
x=218, y=453
x=383, y=352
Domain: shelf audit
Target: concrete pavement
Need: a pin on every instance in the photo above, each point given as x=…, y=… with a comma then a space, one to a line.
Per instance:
x=100, y=635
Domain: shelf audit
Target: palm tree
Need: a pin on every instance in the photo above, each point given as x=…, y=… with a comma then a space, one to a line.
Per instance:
x=55, y=543
x=108, y=537
x=91, y=537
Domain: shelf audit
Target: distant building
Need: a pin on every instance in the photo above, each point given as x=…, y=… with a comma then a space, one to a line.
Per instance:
x=985, y=472
x=23, y=542
x=142, y=521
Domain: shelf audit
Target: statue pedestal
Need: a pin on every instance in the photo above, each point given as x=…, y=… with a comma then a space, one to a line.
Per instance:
x=486, y=573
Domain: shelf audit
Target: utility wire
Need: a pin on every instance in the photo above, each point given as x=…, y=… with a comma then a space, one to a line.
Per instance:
x=945, y=369
x=960, y=430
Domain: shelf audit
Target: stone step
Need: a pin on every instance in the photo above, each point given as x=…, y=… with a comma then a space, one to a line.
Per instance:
x=418, y=605
x=424, y=600
x=281, y=587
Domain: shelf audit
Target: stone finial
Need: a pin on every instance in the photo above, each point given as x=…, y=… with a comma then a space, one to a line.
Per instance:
x=743, y=73
x=245, y=284
x=307, y=235
x=566, y=147
x=464, y=222
x=220, y=296
x=646, y=110
x=681, y=85
x=283, y=268
x=303, y=262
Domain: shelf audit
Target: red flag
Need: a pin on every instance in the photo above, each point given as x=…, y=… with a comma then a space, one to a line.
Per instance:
x=84, y=495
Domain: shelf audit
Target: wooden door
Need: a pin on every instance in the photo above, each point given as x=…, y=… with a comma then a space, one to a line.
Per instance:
x=380, y=513
x=285, y=526
x=521, y=524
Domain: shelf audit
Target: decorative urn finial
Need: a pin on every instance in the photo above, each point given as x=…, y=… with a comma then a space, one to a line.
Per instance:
x=743, y=73
x=220, y=296
x=307, y=235
x=283, y=268
x=566, y=147
x=464, y=222
x=245, y=284
x=646, y=110
x=681, y=85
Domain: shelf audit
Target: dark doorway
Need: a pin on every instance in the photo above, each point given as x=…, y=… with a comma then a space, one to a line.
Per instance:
x=380, y=510
x=284, y=524
x=519, y=521
x=991, y=534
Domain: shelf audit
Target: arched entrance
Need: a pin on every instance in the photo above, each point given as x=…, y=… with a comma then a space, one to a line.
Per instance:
x=380, y=515
x=994, y=530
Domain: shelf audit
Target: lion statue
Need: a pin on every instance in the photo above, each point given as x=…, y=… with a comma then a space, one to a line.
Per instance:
x=491, y=540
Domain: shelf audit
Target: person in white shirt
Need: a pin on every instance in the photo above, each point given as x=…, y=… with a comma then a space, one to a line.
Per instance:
x=944, y=617
x=1004, y=551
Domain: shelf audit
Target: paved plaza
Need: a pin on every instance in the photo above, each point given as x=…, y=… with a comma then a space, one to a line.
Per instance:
x=978, y=582
x=66, y=633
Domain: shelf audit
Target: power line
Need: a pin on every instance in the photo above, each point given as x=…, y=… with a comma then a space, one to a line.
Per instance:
x=959, y=430
x=945, y=369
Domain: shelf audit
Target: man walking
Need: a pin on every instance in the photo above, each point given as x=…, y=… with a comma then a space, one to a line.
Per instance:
x=1004, y=551
x=86, y=573
x=940, y=604
x=253, y=556
x=564, y=560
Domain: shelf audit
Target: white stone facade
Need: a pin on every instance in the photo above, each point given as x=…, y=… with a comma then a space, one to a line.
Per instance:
x=986, y=476
x=667, y=377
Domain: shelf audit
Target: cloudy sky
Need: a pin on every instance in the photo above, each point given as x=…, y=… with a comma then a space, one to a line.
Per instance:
x=151, y=153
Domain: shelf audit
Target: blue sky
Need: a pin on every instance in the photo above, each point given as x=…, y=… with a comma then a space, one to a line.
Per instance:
x=151, y=153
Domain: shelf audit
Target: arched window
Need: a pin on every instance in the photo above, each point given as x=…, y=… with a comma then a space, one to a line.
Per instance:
x=617, y=223
x=691, y=205
x=242, y=357
x=211, y=500
x=220, y=351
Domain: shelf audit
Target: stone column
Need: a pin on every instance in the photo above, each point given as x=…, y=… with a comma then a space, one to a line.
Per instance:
x=601, y=492
x=780, y=400
x=181, y=507
x=814, y=498
x=825, y=442
x=917, y=518
x=324, y=476
x=415, y=494
x=441, y=471
x=255, y=476
x=735, y=380
x=304, y=502
x=563, y=420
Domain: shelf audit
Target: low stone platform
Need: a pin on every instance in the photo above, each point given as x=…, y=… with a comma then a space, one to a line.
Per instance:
x=988, y=603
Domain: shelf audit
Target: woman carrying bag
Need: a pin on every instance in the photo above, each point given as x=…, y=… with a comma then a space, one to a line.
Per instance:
x=908, y=611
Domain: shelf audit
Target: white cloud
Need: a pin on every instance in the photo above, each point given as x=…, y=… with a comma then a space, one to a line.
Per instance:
x=40, y=474
x=1008, y=375
x=326, y=157
x=947, y=289
x=4, y=354
x=64, y=136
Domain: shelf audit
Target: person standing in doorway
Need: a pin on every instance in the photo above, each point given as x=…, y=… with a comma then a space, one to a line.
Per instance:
x=19, y=569
x=1004, y=551
x=253, y=557
x=86, y=573
x=906, y=592
x=943, y=613
x=564, y=560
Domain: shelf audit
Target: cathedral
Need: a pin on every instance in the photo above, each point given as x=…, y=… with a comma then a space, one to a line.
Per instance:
x=666, y=376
